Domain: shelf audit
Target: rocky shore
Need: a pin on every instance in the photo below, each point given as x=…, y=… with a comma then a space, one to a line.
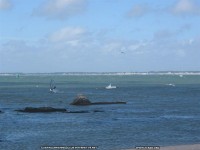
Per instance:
x=41, y=109
x=51, y=109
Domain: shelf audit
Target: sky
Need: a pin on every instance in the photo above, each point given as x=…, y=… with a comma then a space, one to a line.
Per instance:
x=42, y=36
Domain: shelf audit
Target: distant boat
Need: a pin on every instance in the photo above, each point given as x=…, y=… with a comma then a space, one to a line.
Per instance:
x=52, y=87
x=110, y=87
x=171, y=84
x=17, y=76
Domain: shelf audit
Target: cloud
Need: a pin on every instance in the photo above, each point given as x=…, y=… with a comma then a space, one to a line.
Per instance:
x=138, y=10
x=186, y=7
x=5, y=4
x=61, y=9
x=27, y=56
x=67, y=34
x=168, y=34
x=180, y=8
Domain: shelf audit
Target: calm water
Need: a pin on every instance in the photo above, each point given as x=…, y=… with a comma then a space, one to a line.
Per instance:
x=155, y=114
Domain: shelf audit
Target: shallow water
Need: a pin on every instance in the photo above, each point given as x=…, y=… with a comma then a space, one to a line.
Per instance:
x=155, y=114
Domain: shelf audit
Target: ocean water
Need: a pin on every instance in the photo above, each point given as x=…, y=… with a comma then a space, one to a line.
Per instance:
x=161, y=110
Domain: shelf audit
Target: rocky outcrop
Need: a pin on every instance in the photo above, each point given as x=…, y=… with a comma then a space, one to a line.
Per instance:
x=83, y=100
x=42, y=110
x=104, y=103
x=98, y=111
x=51, y=109
x=81, y=111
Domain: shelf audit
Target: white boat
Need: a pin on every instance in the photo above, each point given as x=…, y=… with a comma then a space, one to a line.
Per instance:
x=171, y=84
x=110, y=87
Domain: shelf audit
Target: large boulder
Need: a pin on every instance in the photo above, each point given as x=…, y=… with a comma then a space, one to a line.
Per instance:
x=81, y=100
x=42, y=109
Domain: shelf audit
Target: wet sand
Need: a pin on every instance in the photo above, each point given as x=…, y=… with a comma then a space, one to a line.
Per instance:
x=178, y=147
x=182, y=147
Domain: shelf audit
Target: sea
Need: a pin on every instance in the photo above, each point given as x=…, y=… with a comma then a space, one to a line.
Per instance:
x=161, y=110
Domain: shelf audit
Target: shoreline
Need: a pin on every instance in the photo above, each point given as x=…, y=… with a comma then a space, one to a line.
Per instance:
x=176, y=147
x=175, y=73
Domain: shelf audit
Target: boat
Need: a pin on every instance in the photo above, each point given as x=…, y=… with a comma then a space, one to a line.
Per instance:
x=110, y=87
x=171, y=84
x=52, y=87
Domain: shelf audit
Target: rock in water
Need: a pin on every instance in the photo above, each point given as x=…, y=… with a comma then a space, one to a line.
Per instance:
x=81, y=111
x=104, y=103
x=81, y=100
x=42, y=109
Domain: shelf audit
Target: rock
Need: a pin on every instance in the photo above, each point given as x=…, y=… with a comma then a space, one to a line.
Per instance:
x=42, y=109
x=81, y=111
x=104, y=103
x=98, y=111
x=81, y=100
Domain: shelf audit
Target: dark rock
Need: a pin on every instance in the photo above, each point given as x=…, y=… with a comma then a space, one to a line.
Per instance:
x=98, y=111
x=104, y=103
x=0, y=111
x=81, y=100
x=42, y=109
x=82, y=111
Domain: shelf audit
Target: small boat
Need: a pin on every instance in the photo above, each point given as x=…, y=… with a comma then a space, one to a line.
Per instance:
x=52, y=87
x=171, y=84
x=110, y=87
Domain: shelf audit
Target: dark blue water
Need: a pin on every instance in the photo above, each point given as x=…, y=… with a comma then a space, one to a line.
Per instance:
x=155, y=113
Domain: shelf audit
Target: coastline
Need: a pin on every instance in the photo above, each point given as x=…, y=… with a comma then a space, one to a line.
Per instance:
x=177, y=147
x=178, y=73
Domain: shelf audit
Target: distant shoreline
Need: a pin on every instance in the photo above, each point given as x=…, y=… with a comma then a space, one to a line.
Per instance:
x=181, y=73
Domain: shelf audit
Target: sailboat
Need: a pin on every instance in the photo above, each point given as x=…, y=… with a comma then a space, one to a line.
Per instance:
x=52, y=87
x=110, y=87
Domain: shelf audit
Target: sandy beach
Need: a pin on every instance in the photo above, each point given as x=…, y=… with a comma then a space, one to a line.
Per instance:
x=179, y=147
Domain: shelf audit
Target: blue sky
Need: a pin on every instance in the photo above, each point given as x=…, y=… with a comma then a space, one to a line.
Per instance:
x=99, y=35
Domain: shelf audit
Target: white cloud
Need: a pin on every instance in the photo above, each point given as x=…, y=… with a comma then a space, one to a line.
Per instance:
x=80, y=51
x=112, y=46
x=67, y=34
x=180, y=8
x=5, y=4
x=61, y=9
x=186, y=7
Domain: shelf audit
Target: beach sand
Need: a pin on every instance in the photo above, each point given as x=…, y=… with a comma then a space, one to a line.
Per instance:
x=179, y=147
